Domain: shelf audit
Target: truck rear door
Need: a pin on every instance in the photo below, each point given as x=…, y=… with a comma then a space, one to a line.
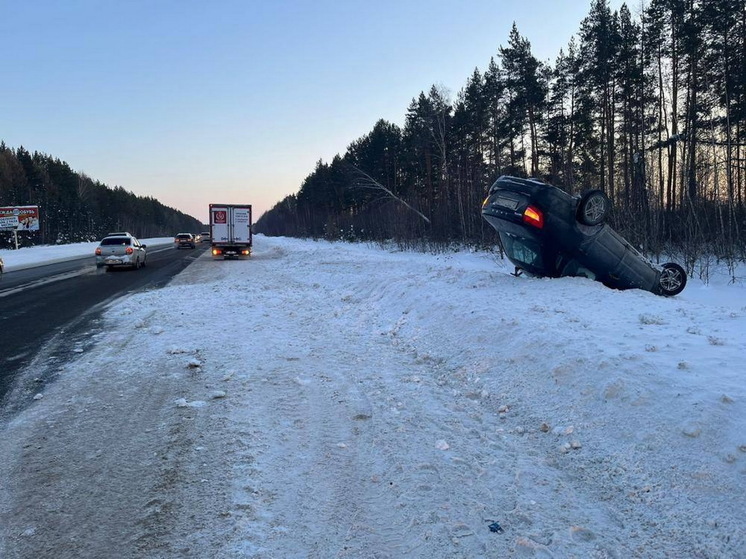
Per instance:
x=242, y=225
x=219, y=219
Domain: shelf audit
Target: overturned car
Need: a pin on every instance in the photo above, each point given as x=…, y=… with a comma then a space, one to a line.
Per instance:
x=547, y=232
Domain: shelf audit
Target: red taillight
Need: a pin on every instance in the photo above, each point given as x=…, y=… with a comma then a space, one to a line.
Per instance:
x=534, y=217
x=129, y=250
x=98, y=251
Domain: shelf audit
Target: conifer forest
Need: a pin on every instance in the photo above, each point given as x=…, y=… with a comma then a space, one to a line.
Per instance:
x=75, y=208
x=649, y=107
x=647, y=103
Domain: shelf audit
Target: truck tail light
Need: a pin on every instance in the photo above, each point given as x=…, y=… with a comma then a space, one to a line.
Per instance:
x=216, y=252
x=533, y=216
x=129, y=250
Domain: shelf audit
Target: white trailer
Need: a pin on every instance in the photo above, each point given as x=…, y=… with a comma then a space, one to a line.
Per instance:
x=230, y=230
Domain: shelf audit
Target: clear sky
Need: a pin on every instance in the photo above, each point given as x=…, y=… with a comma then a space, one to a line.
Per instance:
x=234, y=101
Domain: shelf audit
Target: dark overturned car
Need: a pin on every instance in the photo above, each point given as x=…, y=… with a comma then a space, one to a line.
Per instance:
x=547, y=232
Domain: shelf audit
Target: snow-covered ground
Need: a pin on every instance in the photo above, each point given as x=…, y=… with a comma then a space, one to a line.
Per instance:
x=26, y=257
x=333, y=400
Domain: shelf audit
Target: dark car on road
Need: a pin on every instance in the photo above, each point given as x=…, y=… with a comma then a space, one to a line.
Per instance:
x=185, y=240
x=548, y=232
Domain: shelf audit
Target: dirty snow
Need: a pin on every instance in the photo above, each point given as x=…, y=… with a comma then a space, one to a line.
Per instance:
x=334, y=400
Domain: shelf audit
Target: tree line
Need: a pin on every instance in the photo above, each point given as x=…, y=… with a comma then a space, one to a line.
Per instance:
x=75, y=208
x=651, y=109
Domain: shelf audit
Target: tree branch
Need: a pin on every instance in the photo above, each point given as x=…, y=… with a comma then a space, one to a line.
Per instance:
x=368, y=182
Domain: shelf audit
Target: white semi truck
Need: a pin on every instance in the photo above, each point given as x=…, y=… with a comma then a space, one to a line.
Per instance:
x=230, y=230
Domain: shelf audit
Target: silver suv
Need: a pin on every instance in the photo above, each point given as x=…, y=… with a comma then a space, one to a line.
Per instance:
x=121, y=250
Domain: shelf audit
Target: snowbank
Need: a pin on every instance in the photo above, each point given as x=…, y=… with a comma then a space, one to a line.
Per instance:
x=334, y=400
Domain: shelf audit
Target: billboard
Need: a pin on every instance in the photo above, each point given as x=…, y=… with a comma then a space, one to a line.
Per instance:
x=19, y=218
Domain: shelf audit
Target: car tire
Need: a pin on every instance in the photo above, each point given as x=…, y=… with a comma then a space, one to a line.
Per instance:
x=672, y=280
x=593, y=207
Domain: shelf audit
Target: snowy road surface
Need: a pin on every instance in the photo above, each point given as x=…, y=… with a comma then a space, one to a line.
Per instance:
x=330, y=400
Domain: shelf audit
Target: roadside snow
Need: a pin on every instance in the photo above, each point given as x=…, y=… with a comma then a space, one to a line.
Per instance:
x=333, y=400
x=35, y=256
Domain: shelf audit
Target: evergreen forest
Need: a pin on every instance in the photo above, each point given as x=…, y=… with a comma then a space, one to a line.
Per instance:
x=75, y=208
x=650, y=108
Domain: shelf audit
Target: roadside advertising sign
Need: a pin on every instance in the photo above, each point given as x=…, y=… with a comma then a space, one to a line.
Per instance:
x=8, y=222
x=19, y=218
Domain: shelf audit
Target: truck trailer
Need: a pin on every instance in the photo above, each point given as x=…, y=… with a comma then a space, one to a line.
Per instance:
x=230, y=230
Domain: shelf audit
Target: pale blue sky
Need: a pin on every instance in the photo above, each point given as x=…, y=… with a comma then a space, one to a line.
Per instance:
x=231, y=101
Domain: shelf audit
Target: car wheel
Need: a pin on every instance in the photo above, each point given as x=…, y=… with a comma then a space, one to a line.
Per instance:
x=593, y=207
x=672, y=280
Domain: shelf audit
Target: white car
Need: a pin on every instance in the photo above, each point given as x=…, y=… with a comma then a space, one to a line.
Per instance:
x=121, y=250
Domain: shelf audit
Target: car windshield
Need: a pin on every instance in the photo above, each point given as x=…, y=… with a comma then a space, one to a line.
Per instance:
x=110, y=241
x=523, y=251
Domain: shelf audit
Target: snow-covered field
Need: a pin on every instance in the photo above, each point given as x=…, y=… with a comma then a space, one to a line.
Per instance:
x=26, y=257
x=332, y=400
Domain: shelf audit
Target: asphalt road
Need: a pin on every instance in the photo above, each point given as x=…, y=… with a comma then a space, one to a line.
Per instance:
x=48, y=310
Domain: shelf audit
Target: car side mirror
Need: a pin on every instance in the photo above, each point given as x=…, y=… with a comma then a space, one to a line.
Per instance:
x=144, y=246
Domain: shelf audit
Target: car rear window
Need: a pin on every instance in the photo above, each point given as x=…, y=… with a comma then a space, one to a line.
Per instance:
x=521, y=250
x=110, y=241
x=183, y=236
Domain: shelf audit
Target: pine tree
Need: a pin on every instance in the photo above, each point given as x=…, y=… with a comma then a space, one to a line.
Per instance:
x=525, y=82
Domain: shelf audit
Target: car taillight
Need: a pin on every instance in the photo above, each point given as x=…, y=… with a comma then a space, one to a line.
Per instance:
x=98, y=251
x=534, y=217
x=129, y=250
